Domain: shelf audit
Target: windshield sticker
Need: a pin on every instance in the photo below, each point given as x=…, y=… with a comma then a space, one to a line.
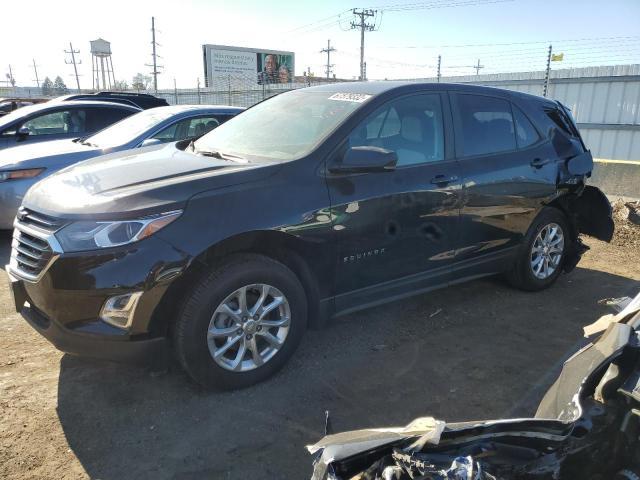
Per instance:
x=350, y=97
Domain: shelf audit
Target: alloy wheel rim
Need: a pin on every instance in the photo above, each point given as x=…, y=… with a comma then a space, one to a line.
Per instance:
x=547, y=250
x=249, y=327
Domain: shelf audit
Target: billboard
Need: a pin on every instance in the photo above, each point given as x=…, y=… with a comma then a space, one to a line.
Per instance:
x=222, y=62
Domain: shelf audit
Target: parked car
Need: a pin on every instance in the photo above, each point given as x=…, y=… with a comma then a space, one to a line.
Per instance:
x=314, y=203
x=24, y=166
x=587, y=426
x=8, y=105
x=53, y=121
x=140, y=100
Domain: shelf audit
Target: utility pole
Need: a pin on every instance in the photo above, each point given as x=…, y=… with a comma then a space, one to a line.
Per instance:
x=362, y=24
x=547, y=74
x=175, y=91
x=439, y=63
x=35, y=70
x=478, y=67
x=154, y=55
x=12, y=80
x=73, y=52
x=328, y=51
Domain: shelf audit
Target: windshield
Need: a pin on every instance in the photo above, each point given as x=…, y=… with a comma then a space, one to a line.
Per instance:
x=128, y=129
x=284, y=127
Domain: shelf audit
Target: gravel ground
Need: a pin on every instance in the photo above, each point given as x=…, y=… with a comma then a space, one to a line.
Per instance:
x=479, y=350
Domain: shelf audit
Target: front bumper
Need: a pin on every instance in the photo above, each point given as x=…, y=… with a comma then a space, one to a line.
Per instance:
x=151, y=352
x=64, y=304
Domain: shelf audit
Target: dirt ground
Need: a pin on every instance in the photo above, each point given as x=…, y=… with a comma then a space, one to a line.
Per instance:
x=479, y=350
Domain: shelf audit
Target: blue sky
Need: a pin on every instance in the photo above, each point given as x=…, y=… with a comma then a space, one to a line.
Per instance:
x=611, y=33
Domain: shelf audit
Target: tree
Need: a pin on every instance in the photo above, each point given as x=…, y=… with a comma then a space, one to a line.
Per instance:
x=59, y=88
x=47, y=87
x=140, y=82
x=120, y=85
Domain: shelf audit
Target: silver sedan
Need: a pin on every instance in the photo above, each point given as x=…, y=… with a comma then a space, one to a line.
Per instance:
x=21, y=167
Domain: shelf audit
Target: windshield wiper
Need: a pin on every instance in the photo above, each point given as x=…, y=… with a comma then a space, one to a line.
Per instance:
x=216, y=154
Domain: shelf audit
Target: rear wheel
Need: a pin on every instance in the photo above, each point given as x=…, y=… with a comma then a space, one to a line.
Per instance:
x=541, y=256
x=240, y=323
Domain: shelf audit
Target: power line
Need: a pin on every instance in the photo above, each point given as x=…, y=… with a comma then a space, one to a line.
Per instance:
x=595, y=39
x=323, y=20
x=439, y=4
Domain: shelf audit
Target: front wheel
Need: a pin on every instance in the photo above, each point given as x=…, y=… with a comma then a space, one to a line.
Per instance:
x=541, y=256
x=240, y=323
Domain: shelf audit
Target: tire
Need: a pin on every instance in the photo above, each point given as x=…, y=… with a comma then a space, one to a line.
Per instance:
x=212, y=309
x=523, y=274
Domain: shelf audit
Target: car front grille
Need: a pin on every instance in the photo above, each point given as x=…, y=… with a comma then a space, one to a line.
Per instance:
x=31, y=249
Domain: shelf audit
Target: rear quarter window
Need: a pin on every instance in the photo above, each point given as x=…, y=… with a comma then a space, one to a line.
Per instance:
x=560, y=120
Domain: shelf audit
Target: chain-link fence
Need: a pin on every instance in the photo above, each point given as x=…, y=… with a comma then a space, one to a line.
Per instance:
x=238, y=91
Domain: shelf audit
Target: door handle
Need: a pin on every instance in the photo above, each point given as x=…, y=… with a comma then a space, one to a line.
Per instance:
x=443, y=179
x=539, y=162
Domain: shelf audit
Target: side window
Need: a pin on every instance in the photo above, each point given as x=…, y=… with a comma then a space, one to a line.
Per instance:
x=200, y=126
x=525, y=132
x=99, y=118
x=411, y=126
x=561, y=121
x=189, y=127
x=486, y=124
x=167, y=134
x=55, y=123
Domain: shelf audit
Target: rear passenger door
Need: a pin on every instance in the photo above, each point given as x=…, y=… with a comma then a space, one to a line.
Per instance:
x=395, y=231
x=508, y=168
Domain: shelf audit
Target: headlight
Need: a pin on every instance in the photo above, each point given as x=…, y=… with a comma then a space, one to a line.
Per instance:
x=17, y=174
x=88, y=235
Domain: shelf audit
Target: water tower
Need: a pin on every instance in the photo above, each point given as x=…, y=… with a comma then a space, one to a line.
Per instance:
x=102, y=65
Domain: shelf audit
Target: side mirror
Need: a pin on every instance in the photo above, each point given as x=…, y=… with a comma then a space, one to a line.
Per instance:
x=23, y=132
x=147, y=142
x=366, y=159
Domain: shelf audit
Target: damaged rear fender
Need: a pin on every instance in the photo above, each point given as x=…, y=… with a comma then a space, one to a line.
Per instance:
x=592, y=213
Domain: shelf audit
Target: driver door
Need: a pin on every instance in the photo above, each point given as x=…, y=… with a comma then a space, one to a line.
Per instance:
x=396, y=231
x=65, y=123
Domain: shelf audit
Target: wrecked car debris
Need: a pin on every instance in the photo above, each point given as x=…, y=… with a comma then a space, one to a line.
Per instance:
x=587, y=426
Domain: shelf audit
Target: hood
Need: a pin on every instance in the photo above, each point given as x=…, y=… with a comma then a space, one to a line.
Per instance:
x=136, y=182
x=45, y=154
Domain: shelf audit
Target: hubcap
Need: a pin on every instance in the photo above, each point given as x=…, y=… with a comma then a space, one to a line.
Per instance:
x=547, y=250
x=249, y=327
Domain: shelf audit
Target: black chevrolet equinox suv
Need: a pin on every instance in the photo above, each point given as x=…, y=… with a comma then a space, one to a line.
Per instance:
x=312, y=204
